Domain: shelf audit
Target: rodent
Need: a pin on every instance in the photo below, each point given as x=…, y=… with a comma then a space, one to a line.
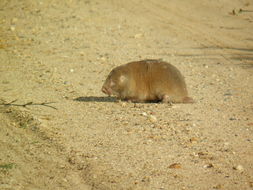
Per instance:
x=146, y=81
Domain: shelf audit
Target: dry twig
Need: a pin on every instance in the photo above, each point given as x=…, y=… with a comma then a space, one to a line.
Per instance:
x=29, y=104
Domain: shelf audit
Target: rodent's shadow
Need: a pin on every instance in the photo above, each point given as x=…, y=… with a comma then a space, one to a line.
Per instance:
x=107, y=99
x=95, y=99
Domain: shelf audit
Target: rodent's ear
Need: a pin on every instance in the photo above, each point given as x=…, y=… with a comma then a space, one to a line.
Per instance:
x=122, y=78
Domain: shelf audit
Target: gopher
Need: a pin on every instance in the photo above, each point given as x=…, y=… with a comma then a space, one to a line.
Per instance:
x=147, y=81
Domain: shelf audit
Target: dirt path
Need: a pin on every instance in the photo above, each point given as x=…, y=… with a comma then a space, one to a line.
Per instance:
x=61, y=52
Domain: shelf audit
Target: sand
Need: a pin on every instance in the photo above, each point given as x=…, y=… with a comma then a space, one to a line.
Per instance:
x=62, y=132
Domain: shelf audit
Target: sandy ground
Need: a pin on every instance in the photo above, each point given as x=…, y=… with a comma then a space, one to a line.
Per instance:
x=60, y=52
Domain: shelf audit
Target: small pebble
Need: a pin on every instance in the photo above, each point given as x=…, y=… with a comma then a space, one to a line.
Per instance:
x=239, y=168
x=138, y=35
x=103, y=59
x=144, y=114
x=175, y=166
x=228, y=94
x=12, y=28
x=123, y=104
x=219, y=186
x=208, y=166
x=193, y=140
x=152, y=118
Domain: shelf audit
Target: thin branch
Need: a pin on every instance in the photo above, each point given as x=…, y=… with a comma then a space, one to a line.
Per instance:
x=46, y=104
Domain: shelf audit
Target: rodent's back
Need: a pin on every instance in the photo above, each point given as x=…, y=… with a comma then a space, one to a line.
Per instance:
x=151, y=79
x=137, y=73
x=166, y=78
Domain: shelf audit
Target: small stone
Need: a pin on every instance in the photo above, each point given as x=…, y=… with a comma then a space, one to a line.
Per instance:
x=175, y=166
x=219, y=186
x=239, y=168
x=205, y=156
x=208, y=166
x=136, y=36
x=228, y=94
x=152, y=118
x=144, y=114
x=103, y=59
x=71, y=70
x=194, y=154
x=193, y=140
x=123, y=104
x=12, y=28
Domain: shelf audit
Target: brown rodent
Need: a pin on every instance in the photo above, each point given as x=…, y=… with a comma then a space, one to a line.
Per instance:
x=147, y=80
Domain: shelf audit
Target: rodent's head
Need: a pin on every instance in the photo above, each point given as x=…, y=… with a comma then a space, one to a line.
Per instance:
x=115, y=83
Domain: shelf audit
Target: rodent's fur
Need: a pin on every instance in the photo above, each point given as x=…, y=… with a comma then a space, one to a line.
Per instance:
x=147, y=80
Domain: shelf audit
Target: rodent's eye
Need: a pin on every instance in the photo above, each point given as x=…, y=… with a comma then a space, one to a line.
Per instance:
x=122, y=78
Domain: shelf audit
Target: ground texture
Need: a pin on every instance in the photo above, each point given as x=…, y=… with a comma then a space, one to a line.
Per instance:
x=54, y=57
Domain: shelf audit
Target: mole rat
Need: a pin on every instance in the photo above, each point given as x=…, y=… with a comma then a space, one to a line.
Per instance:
x=147, y=81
